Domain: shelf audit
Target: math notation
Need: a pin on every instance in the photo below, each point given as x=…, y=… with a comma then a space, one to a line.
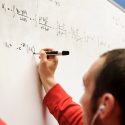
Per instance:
x=39, y=21
x=23, y=14
x=60, y=29
x=118, y=22
x=20, y=46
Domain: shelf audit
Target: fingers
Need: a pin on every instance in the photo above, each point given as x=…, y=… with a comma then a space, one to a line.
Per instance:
x=45, y=49
x=48, y=49
x=44, y=56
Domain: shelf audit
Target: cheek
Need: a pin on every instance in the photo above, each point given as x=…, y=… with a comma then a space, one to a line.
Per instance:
x=85, y=105
x=85, y=102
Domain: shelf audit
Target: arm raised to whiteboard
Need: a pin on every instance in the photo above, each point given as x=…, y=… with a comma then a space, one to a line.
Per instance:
x=59, y=103
x=102, y=105
x=47, y=67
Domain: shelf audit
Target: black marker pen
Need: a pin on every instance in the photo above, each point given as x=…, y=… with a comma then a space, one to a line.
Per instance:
x=58, y=53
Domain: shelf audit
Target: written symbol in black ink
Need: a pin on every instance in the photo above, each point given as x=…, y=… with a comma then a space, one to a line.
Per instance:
x=34, y=19
x=21, y=46
x=3, y=6
x=45, y=27
x=17, y=11
x=30, y=49
x=76, y=35
x=13, y=10
x=22, y=14
x=23, y=19
x=43, y=21
x=118, y=22
x=8, y=45
x=61, y=29
x=56, y=2
x=103, y=44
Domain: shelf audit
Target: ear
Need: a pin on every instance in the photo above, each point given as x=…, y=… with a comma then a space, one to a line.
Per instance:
x=108, y=101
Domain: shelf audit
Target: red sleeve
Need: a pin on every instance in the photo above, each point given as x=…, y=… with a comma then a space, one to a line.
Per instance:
x=62, y=107
x=2, y=122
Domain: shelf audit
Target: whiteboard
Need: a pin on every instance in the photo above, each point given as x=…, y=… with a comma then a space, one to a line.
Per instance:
x=86, y=28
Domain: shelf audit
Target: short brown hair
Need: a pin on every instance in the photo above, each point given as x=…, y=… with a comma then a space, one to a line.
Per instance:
x=111, y=79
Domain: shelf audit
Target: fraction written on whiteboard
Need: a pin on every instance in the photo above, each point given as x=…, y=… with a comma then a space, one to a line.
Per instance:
x=60, y=29
x=40, y=21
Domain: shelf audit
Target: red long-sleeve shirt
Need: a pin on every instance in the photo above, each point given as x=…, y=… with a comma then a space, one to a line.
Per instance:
x=2, y=122
x=62, y=107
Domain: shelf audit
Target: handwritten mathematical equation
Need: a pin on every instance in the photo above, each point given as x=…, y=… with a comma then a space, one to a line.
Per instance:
x=42, y=22
x=20, y=46
x=86, y=38
x=61, y=29
x=23, y=14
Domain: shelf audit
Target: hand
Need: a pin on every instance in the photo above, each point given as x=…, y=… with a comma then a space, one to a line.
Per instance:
x=46, y=69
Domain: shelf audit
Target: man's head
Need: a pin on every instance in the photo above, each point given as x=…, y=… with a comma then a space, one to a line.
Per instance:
x=105, y=85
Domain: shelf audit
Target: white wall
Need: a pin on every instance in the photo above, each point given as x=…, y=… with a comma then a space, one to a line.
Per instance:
x=84, y=27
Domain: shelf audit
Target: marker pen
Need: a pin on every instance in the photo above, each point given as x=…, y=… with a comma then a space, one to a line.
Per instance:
x=58, y=53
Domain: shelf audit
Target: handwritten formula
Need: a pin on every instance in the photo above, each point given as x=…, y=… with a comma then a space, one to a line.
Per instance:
x=20, y=46
x=39, y=21
x=60, y=29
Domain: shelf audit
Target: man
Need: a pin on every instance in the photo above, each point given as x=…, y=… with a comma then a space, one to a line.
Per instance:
x=103, y=102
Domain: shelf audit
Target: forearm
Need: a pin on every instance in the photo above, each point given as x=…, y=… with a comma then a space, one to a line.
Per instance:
x=60, y=104
x=48, y=84
x=62, y=107
x=46, y=69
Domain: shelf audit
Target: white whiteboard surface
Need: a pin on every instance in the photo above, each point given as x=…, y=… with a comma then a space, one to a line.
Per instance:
x=84, y=27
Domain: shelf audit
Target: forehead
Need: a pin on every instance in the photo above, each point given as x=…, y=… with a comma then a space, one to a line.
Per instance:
x=93, y=70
